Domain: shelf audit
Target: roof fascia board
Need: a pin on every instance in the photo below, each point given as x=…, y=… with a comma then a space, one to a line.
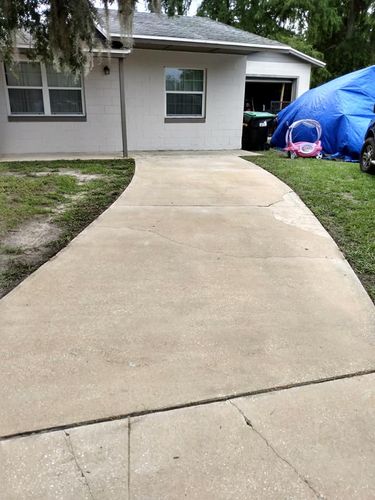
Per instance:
x=202, y=41
x=311, y=59
x=101, y=30
x=280, y=48
x=115, y=52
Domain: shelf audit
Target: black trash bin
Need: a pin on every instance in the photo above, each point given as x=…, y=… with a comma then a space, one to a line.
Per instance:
x=255, y=129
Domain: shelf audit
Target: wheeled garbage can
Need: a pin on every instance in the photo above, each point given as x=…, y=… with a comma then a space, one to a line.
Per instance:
x=255, y=128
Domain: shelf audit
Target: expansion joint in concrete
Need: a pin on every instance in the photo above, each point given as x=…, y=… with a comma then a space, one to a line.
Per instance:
x=190, y=404
x=129, y=433
x=205, y=205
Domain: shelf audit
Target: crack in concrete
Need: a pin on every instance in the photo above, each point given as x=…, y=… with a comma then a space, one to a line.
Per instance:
x=129, y=430
x=278, y=201
x=207, y=205
x=269, y=445
x=223, y=254
x=83, y=475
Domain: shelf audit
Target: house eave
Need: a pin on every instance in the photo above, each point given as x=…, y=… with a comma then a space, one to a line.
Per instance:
x=314, y=62
x=95, y=52
x=172, y=43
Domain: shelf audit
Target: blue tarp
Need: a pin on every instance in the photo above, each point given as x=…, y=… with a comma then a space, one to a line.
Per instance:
x=344, y=107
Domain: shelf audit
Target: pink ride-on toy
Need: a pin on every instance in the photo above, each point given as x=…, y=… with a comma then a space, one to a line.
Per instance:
x=303, y=148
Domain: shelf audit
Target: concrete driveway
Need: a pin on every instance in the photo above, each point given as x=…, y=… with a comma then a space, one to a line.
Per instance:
x=208, y=279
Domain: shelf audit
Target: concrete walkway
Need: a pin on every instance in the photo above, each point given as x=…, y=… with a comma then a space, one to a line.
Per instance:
x=180, y=347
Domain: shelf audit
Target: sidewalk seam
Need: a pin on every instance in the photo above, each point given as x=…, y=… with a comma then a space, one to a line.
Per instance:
x=129, y=432
x=181, y=406
x=192, y=205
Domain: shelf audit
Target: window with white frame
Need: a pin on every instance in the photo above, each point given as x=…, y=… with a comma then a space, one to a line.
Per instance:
x=38, y=89
x=185, y=92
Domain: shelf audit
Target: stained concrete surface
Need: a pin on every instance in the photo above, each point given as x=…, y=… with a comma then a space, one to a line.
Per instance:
x=207, y=452
x=154, y=306
x=315, y=441
x=327, y=431
x=309, y=442
x=207, y=278
x=85, y=463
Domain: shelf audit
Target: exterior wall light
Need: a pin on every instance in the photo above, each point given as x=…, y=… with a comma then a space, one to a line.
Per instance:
x=107, y=70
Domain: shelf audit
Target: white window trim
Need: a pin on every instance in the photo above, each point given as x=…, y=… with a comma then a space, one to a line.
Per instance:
x=45, y=91
x=201, y=92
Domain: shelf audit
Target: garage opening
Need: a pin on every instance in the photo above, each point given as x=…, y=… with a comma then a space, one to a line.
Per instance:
x=271, y=95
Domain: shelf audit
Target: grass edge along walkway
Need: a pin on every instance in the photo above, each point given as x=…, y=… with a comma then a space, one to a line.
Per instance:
x=341, y=197
x=66, y=194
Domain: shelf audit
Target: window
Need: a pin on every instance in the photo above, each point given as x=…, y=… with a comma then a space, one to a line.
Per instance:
x=38, y=89
x=25, y=89
x=184, y=92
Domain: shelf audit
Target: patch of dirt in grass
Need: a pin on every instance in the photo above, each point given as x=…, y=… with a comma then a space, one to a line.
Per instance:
x=45, y=208
x=25, y=248
x=11, y=174
x=32, y=235
x=81, y=178
x=59, y=209
x=349, y=197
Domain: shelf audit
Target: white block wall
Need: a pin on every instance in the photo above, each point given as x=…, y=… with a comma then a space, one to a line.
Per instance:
x=273, y=64
x=145, y=101
x=145, y=110
x=101, y=133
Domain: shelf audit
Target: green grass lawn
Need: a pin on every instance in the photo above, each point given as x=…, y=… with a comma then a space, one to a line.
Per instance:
x=67, y=195
x=343, y=199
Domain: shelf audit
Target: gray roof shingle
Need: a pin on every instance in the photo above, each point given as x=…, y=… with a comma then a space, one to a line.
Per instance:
x=189, y=27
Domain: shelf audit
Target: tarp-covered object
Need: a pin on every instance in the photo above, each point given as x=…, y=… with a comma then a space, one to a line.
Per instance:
x=344, y=107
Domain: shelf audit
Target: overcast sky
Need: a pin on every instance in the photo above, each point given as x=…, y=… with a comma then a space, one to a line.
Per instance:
x=141, y=6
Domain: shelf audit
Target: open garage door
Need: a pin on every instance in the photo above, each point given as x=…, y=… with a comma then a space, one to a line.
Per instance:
x=268, y=94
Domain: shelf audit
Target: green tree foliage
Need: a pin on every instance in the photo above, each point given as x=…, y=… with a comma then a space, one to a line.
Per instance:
x=219, y=10
x=63, y=31
x=341, y=32
x=176, y=7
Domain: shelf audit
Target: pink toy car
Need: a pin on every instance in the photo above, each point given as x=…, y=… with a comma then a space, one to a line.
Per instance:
x=303, y=148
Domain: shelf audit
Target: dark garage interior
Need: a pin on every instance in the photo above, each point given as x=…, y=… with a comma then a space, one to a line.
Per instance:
x=268, y=95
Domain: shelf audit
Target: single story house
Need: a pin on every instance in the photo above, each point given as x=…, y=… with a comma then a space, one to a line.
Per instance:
x=183, y=86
